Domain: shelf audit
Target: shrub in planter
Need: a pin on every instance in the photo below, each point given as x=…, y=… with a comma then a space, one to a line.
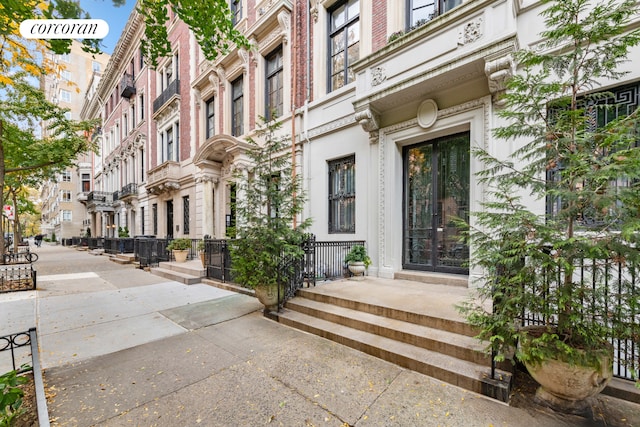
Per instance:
x=561, y=266
x=268, y=230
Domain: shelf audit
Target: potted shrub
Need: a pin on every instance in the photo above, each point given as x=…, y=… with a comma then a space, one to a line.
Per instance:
x=357, y=260
x=269, y=233
x=180, y=248
x=559, y=281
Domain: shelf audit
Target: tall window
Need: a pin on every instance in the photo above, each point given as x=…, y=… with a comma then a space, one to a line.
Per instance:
x=170, y=143
x=237, y=112
x=344, y=39
x=133, y=116
x=422, y=11
x=210, y=111
x=86, y=182
x=141, y=106
x=185, y=214
x=618, y=102
x=169, y=148
x=66, y=216
x=95, y=65
x=342, y=195
x=66, y=195
x=141, y=156
x=154, y=214
x=142, y=220
x=66, y=176
x=274, y=84
x=236, y=11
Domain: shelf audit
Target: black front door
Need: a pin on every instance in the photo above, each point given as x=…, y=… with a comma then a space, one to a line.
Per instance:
x=436, y=191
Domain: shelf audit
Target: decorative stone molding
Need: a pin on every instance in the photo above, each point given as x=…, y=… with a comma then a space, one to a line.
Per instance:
x=378, y=75
x=498, y=71
x=284, y=20
x=243, y=54
x=368, y=119
x=470, y=32
x=427, y=113
x=315, y=10
x=221, y=73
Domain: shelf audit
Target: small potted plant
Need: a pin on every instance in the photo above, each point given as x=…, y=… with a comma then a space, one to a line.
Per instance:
x=357, y=260
x=180, y=248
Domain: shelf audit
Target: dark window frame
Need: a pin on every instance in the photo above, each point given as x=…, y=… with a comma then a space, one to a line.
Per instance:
x=237, y=106
x=333, y=33
x=210, y=117
x=274, y=83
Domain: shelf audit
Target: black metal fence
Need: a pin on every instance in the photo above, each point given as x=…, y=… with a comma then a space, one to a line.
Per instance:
x=604, y=285
x=16, y=350
x=17, y=277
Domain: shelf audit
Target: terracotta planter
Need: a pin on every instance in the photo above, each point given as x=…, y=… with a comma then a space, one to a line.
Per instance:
x=357, y=269
x=268, y=296
x=180, y=255
x=202, y=259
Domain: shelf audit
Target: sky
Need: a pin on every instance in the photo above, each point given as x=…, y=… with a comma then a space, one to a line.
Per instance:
x=116, y=17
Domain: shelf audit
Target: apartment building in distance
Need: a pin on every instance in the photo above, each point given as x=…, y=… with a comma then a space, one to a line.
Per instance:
x=383, y=99
x=62, y=210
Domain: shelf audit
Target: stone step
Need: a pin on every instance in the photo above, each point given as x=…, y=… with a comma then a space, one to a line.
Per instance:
x=433, y=278
x=461, y=346
x=441, y=323
x=229, y=287
x=192, y=267
x=176, y=276
x=450, y=369
x=118, y=260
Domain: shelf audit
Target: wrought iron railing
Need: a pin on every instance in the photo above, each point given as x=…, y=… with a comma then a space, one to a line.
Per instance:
x=615, y=277
x=172, y=89
x=17, y=277
x=22, y=347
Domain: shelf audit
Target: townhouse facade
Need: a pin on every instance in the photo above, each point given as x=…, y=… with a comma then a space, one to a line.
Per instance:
x=62, y=210
x=384, y=101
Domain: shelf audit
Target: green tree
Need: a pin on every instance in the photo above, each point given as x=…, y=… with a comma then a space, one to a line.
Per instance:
x=210, y=21
x=269, y=204
x=24, y=151
x=588, y=171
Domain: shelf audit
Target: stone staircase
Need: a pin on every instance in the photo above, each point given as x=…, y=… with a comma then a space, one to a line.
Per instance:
x=189, y=273
x=412, y=324
x=123, y=258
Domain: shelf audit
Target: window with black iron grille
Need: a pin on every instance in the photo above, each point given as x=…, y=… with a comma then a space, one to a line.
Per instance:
x=342, y=195
x=600, y=111
x=185, y=214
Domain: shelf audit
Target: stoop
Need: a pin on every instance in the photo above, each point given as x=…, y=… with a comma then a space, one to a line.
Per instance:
x=189, y=273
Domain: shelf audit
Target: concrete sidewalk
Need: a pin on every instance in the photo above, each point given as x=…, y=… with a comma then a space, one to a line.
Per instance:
x=123, y=347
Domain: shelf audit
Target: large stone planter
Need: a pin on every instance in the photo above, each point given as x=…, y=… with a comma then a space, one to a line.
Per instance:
x=567, y=387
x=180, y=255
x=357, y=269
x=268, y=296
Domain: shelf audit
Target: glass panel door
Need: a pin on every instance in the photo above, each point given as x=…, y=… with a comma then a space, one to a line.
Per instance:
x=436, y=191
